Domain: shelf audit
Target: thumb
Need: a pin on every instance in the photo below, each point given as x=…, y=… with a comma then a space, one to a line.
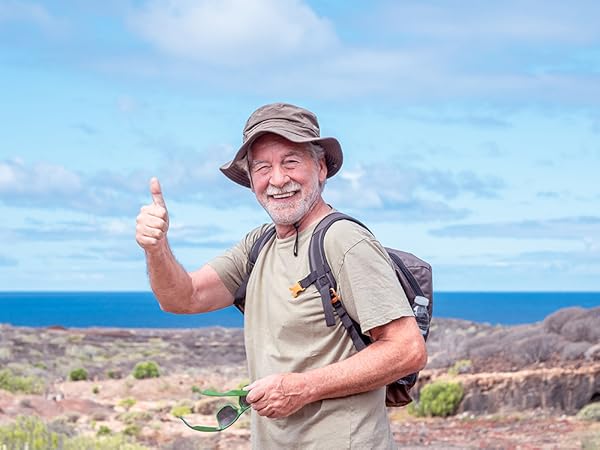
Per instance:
x=156, y=192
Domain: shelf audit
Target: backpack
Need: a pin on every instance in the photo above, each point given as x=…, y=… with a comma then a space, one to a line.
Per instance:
x=413, y=273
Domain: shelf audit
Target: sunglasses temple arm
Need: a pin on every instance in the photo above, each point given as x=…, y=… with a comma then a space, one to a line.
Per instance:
x=200, y=427
x=232, y=393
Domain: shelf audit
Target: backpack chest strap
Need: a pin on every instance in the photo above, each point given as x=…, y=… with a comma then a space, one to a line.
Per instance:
x=323, y=280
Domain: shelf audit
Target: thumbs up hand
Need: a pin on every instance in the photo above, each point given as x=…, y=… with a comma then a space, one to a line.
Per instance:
x=153, y=221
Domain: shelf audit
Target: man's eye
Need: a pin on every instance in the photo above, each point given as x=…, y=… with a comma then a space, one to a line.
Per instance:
x=262, y=168
x=291, y=163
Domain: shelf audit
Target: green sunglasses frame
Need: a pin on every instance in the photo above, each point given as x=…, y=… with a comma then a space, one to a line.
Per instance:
x=241, y=409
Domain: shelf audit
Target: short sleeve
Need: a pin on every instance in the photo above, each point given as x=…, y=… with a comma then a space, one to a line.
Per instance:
x=232, y=266
x=367, y=283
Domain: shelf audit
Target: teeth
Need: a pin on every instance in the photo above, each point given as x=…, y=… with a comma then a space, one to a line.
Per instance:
x=284, y=195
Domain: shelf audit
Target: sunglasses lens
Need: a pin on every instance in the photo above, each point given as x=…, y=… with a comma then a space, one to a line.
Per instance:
x=226, y=416
x=243, y=402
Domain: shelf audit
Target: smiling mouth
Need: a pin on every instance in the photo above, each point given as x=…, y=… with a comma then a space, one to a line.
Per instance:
x=283, y=195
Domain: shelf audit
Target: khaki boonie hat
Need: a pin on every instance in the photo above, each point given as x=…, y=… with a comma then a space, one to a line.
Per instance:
x=291, y=122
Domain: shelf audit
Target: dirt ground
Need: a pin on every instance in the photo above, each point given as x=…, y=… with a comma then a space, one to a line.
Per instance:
x=112, y=399
x=117, y=404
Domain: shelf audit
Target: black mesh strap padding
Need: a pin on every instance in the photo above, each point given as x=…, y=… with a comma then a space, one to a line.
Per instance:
x=318, y=263
x=239, y=298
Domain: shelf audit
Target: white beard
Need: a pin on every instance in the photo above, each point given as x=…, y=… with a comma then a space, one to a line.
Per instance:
x=292, y=210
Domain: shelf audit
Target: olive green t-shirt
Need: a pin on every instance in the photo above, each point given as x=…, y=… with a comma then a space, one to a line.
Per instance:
x=286, y=334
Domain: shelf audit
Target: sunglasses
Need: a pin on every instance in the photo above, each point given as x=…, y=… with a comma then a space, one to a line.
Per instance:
x=226, y=415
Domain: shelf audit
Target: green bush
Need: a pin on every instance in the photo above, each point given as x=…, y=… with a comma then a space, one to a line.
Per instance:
x=14, y=383
x=112, y=442
x=460, y=366
x=33, y=434
x=440, y=398
x=148, y=369
x=135, y=417
x=181, y=410
x=78, y=375
x=127, y=403
x=132, y=430
x=590, y=412
x=28, y=432
x=114, y=374
x=103, y=431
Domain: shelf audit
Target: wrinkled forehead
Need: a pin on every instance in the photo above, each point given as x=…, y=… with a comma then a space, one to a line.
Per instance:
x=270, y=143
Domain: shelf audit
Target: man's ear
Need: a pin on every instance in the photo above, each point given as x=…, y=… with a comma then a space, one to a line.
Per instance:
x=322, y=170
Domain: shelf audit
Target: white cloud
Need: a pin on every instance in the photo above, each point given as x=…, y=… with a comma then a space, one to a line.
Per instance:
x=583, y=228
x=233, y=32
x=403, y=52
x=7, y=261
x=22, y=11
x=42, y=180
x=185, y=175
x=411, y=193
x=502, y=22
x=46, y=185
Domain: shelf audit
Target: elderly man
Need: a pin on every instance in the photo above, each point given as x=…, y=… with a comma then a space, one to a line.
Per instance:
x=310, y=388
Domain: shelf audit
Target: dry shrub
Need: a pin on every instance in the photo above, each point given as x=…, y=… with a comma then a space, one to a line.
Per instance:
x=586, y=328
x=574, y=350
x=474, y=345
x=593, y=353
x=554, y=322
x=536, y=349
x=207, y=406
x=490, y=350
x=439, y=360
x=524, y=332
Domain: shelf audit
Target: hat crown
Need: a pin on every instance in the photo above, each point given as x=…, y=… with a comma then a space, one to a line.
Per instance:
x=282, y=117
x=296, y=124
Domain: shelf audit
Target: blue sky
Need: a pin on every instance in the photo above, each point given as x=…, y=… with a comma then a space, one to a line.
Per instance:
x=471, y=131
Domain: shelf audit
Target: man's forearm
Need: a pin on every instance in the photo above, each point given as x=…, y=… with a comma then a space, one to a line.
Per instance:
x=398, y=350
x=170, y=283
x=384, y=361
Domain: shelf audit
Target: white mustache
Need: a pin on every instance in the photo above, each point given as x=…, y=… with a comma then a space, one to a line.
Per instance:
x=288, y=187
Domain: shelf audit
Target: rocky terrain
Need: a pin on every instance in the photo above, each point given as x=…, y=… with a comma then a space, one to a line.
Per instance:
x=523, y=385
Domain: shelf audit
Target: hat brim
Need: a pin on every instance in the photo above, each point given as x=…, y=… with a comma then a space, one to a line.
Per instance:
x=237, y=170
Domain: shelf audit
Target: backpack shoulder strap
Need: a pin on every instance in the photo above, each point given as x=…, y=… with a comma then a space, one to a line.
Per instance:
x=239, y=299
x=320, y=272
x=326, y=283
x=258, y=245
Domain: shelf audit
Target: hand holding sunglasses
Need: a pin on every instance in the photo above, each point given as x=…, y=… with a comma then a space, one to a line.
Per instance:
x=227, y=414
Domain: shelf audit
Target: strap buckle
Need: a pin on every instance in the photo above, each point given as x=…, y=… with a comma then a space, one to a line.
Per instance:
x=296, y=289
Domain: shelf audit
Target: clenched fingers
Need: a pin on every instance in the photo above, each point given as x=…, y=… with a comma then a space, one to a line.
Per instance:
x=277, y=395
x=153, y=215
x=152, y=222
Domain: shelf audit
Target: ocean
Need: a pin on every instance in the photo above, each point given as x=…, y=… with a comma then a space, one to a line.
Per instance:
x=140, y=309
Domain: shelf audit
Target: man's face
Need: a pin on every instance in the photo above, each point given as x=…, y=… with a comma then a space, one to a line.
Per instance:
x=285, y=178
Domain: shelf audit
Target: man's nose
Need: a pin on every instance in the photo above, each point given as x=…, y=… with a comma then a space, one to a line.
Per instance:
x=279, y=177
